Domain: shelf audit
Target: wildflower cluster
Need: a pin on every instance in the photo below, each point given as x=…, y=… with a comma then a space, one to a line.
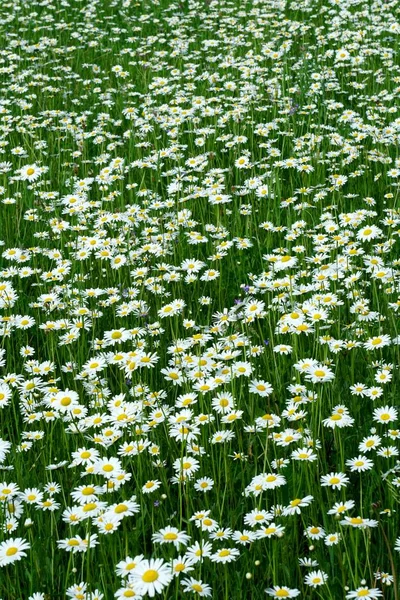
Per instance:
x=199, y=299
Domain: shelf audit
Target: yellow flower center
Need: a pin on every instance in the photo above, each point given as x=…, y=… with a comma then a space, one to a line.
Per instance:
x=269, y=530
x=150, y=575
x=295, y=502
x=319, y=373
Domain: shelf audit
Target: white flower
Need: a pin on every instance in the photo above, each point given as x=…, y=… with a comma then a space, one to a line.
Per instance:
x=151, y=576
x=12, y=550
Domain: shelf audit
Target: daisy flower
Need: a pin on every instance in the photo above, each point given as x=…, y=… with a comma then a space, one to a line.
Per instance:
x=244, y=538
x=12, y=550
x=365, y=593
x=369, y=232
x=30, y=172
x=197, y=587
x=181, y=564
x=282, y=592
x=126, y=566
x=331, y=539
x=257, y=517
x=171, y=535
x=360, y=463
x=384, y=577
x=65, y=401
x=125, y=509
x=296, y=504
x=359, y=522
x=207, y=524
x=271, y=530
x=151, y=576
x=303, y=454
x=205, y=484
x=108, y=467
x=319, y=374
x=369, y=443
x=223, y=403
x=260, y=387
x=315, y=578
x=341, y=507
x=377, y=342
x=197, y=552
x=128, y=592
x=187, y=465
x=335, y=480
x=8, y=490
x=107, y=523
x=151, y=486
x=314, y=532
x=225, y=555
x=283, y=349
x=385, y=414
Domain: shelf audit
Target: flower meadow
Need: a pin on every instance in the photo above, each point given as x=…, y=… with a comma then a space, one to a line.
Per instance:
x=199, y=299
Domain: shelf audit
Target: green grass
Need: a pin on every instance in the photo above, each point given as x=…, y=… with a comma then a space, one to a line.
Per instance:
x=258, y=141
